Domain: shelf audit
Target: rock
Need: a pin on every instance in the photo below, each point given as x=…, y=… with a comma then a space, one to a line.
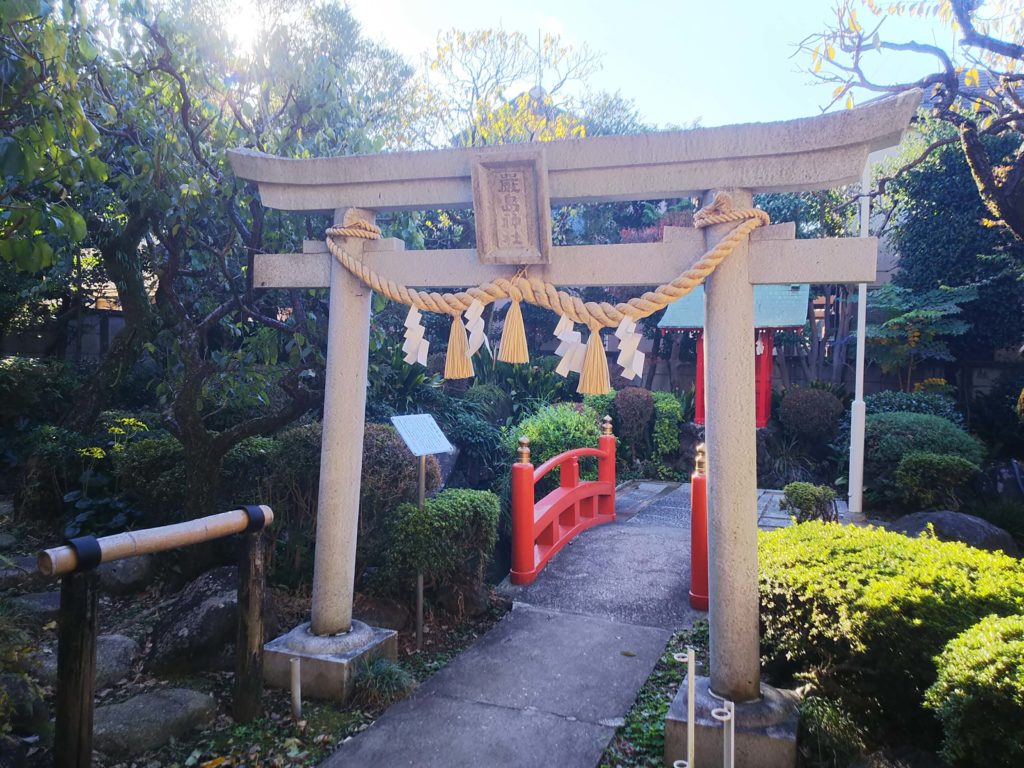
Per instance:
x=13, y=753
x=1006, y=481
x=464, y=597
x=150, y=720
x=123, y=577
x=380, y=612
x=41, y=606
x=29, y=714
x=114, y=657
x=7, y=541
x=957, y=526
x=21, y=573
x=198, y=625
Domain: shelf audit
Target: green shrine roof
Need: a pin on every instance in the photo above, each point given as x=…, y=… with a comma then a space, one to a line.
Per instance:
x=775, y=306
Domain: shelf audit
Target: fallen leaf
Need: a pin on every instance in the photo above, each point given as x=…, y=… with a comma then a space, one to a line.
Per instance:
x=628, y=653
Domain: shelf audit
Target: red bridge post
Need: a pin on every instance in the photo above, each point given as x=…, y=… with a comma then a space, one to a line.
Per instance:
x=606, y=468
x=699, y=532
x=523, y=535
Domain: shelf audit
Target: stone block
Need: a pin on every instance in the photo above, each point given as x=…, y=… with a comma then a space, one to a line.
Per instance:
x=766, y=729
x=329, y=663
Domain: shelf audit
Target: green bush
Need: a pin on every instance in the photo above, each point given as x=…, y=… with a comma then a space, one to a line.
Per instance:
x=634, y=409
x=555, y=429
x=889, y=437
x=390, y=476
x=668, y=416
x=244, y=473
x=864, y=611
x=601, y=405
x=493, y=401
x=931, y=480
x=37, y=390
x=1007, y=514
x=453, y=535
x=810, y=502
x=930, y=403
x=479, y=444
x=979, y=695
x=811, y=415
x=829, y=736
x=152, y=472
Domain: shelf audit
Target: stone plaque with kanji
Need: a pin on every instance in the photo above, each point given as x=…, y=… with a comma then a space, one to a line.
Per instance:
x=512, y=209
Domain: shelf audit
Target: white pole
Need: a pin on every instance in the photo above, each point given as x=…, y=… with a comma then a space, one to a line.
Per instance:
x=691, y=706
x=296, y=669
x=858, y=411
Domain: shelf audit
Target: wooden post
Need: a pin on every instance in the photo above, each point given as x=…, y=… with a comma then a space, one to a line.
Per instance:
x=248, y=704
x=76, y=670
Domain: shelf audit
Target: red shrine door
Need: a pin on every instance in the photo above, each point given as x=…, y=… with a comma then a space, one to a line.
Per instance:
x=764, y=344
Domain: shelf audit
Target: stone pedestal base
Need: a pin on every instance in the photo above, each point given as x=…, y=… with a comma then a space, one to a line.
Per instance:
x=766, y=729
x=329, y=663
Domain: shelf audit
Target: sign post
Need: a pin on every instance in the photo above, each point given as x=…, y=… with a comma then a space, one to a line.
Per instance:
x=423, y=438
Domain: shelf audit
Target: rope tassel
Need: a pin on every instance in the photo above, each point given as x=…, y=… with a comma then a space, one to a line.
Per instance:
x=457, y=363
x=594, y=379
x=513, y=337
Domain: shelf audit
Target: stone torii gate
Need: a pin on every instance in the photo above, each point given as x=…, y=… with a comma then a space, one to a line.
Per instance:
x=807, y=154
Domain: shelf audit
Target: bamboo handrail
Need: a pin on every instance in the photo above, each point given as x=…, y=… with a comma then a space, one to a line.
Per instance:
x=57, y=561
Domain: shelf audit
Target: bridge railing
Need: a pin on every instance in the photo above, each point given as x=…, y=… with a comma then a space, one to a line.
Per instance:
x=541, y=528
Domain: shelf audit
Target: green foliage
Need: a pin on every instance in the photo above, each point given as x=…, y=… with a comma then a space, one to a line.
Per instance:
x=1007, y=514
x=810, y=415
x=555, y=429
x=889, y=437
x=940, y=234
x=390, y=476
x=810, y=502
x=381, y=682
x=244, y=472
x=634, y=409
x=917, y=326
x=16, y=648
x=34, y=390
x=863, y=612
x=829, y=736
x=495, y=402
x=152, y=472
x=602, y=405
x=979, y=695
x=453, y=534
x=932, y=403
x=932, y=480
x=530, y=386
x=668, y=417
x=480, y=448
x=994, y=415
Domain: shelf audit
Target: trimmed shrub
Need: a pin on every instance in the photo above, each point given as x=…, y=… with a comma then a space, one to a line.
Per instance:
x=245, y=472
x=495, y=403
x=810, y=502
x=634, y=410
x=453, y=535
x=479, y=444
x=552, y=430
x=810, y=414
x=931, y=480
x=34, y=389
x=979, y=695
x=864, y=611
x=889, y=437
x=930, y=403
x=601, y=405
x=390, y=476
x=668, y=416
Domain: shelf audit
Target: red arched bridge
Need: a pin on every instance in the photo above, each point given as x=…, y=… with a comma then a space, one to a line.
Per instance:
x=541, y=528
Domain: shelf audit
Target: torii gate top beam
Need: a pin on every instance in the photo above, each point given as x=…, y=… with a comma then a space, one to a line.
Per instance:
x=793, y=155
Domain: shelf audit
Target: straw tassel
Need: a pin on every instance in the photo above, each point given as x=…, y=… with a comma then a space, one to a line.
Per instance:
x=513, y=337
x=457, y=363
x=594, y=379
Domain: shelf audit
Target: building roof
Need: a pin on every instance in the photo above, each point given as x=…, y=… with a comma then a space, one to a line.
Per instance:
x=775, y=306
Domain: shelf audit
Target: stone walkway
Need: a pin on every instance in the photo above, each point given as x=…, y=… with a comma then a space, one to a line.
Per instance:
x=551, y=682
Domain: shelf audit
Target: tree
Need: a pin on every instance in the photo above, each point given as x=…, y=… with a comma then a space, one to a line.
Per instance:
x=167, y=94
x=916, y=326
x=936, y=226
x=977, y=85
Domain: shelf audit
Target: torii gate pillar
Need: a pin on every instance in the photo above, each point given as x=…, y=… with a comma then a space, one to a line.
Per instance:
x=732, y=470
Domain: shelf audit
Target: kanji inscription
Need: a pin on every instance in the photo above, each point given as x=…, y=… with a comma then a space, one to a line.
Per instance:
x=513, y=219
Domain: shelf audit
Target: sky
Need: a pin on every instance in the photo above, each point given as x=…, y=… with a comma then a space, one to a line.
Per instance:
x=722, y=62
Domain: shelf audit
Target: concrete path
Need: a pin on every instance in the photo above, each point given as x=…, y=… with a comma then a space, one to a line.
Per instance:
x=551, y=682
